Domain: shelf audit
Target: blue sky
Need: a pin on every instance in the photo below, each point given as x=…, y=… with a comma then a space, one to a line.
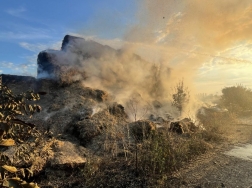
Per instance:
x=212, y=38
x=28, y=26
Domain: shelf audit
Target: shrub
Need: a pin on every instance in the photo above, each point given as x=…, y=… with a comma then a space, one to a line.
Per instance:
x=236, y=99
x=216, y=124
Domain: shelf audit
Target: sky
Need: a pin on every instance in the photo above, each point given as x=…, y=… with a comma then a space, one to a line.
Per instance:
x=28, y=27
x=208, y=41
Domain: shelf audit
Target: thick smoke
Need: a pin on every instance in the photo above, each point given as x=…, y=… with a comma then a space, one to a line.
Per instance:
x=121, y=72
x=187, y=33
x=174, y=39
x=211, y=25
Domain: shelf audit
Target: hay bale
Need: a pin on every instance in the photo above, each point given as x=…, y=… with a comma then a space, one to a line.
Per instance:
x=183, y=126
x=117, y=110
x=142, y=129
x=177, y=127
x=66, y=154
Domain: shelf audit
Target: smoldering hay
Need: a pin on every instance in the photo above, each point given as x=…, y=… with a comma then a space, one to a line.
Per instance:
x=174, y=39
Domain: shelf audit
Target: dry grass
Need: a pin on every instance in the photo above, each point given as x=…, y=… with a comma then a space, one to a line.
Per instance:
x=158, y=155
x=165, y=153
x=218, y=125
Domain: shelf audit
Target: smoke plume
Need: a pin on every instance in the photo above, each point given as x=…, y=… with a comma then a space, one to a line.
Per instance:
x=173, y=40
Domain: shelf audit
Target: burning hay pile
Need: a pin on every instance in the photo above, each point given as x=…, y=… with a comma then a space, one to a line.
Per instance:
x=122, y=120
x=65, y=66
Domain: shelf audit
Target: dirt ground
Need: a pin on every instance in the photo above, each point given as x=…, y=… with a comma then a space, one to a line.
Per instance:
x=217, y=169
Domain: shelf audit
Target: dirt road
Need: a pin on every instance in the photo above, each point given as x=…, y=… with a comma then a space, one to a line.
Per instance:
x=228, y=165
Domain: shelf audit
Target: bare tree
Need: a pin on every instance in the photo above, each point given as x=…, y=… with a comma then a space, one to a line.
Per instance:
x=137, y=108
x=138, y=111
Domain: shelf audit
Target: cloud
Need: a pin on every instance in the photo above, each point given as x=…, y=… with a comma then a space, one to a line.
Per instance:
x=40, y=47
x=16, y=12
x=33, y=47
x=23, y=35
x=28, y=69
x=242, y=51
x=217, y=75
x=31, y=59
x=9, y=65
x=230, y=66
x=21, y=31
